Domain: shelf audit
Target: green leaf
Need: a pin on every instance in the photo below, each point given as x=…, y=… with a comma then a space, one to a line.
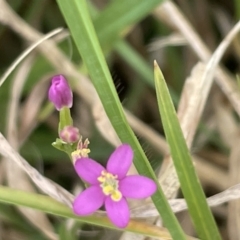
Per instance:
x=131, y=56
x=199, y=210
x=49, y=205
x=81, y=27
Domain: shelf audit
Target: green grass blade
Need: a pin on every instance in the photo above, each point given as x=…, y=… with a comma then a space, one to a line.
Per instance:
x=190, y=185
x=81, y=27
x=132, y=57
x=51, y=206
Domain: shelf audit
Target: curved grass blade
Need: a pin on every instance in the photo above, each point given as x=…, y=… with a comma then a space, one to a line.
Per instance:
x=199, y=210
x=49, y=205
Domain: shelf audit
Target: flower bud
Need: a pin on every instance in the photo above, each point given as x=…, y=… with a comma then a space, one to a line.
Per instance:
x=69, y=134
x=60, y=93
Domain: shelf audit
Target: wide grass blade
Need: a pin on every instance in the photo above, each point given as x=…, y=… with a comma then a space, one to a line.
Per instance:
x=199, y=210
x=49, y=205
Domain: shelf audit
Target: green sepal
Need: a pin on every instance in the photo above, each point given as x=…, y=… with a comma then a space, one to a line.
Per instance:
x=64, y=147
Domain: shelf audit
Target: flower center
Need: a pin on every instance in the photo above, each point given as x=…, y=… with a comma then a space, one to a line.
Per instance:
x=109, y=185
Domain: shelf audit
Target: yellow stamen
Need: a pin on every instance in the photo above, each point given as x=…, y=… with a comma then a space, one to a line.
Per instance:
x=116, y=195
x=109, y=185
x=101, y=179
x=80, y=153
x=108, y=190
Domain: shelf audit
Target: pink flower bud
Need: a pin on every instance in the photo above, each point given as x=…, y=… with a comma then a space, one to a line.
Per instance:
x=60, y=93
x=69, y=134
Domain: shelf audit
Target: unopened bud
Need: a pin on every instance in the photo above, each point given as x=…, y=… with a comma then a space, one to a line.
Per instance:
x=60, y=93
x=69, y=134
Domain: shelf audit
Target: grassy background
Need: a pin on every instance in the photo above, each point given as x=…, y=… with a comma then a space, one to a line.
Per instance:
x=129, y=53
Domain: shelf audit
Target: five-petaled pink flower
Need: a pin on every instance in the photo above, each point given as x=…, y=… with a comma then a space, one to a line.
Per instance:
x=111, y=186
x=60, y=93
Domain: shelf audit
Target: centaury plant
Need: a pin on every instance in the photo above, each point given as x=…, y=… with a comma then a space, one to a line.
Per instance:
x=99, y=195
x=109, y=187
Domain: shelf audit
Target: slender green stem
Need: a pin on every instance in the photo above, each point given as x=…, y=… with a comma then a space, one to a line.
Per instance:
x=65, y=118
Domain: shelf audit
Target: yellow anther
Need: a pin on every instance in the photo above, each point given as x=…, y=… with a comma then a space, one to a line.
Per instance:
x=109, y=175
x=81, y=152
x=109, y=185
x=116, y=195
x=101, y=179
x=85, y=152
x=108, y=189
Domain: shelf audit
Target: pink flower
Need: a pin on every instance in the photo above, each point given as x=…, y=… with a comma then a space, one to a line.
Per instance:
x=111, y=186
x=60, y=93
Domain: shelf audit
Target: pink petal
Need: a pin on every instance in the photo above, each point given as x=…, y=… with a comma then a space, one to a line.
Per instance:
x=88, y=201
x=118, y=212
x=137, y=187
x=120, y=161
x=88, y=169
